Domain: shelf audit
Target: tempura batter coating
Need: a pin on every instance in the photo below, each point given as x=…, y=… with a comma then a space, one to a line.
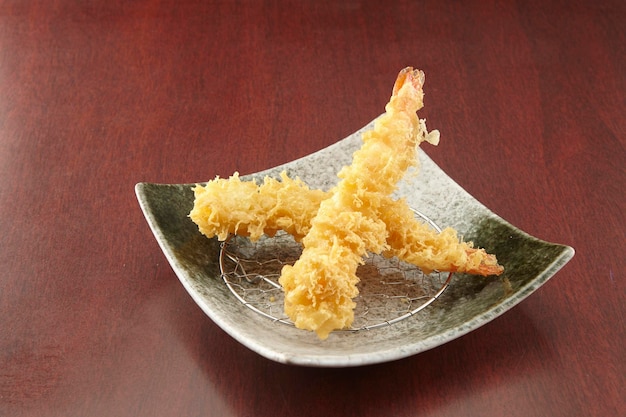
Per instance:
x=320, y=286
x=291, y=206
x=339, y=227
x=231, y=206
x=415, y=242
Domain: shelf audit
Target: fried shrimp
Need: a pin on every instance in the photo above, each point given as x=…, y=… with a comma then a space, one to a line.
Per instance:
x=290, y=205
x=414, y=242
x=320, y=286
x=339, y=227
x=231, y=206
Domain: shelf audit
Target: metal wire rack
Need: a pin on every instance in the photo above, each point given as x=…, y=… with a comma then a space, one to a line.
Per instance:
x=390, y=290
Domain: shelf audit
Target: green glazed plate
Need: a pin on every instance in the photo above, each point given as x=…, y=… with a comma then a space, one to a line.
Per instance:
x=468, y=302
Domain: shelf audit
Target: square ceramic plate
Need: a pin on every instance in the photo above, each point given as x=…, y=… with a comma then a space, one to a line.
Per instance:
x=466, y=304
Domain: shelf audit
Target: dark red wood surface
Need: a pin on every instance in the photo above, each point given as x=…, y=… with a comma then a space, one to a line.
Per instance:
x=96, y=96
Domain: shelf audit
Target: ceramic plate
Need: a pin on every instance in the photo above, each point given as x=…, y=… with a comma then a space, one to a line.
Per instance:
x=466, y=304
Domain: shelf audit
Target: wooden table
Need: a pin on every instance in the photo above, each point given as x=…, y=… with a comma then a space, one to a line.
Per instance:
x=97, y=96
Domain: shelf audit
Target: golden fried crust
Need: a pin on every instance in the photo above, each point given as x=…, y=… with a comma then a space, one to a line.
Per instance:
x=414, y=242
x=347, y=223
x=339, y=227
x=231, y=206
x=294, y=206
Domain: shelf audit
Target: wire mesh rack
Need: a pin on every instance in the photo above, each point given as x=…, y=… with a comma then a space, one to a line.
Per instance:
x=390, y=290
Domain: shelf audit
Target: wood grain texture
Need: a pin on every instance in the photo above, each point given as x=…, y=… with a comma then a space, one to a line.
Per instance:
x=96, y=96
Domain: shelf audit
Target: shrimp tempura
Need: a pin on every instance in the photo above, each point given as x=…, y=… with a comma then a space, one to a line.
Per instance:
x=290, y=205
x=231, y=206
x=320, y=286
x=338, y=227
